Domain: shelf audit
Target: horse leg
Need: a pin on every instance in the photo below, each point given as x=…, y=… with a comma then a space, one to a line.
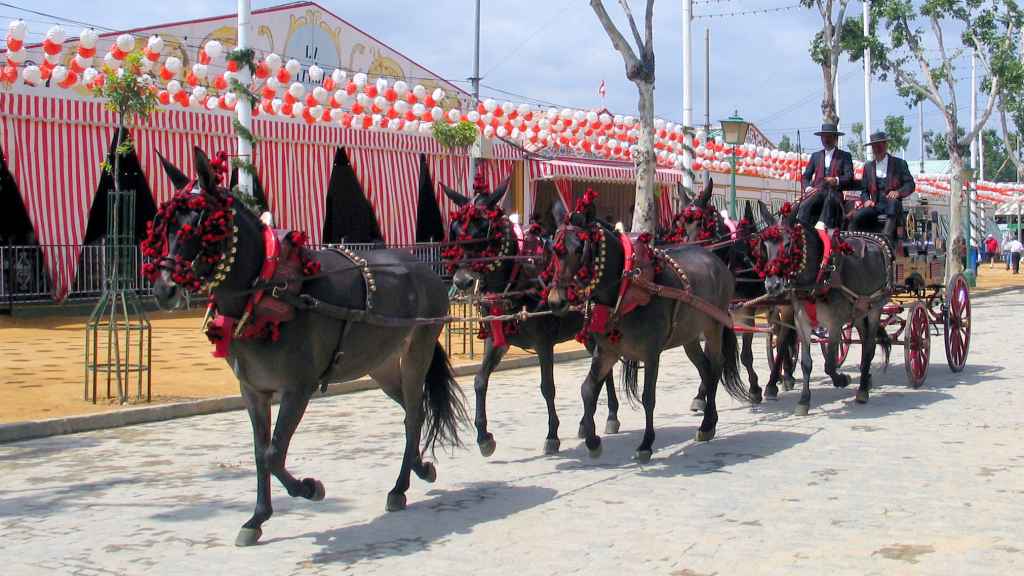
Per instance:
x=293, y=405
x=611, y=426
x=747, y=358
x=700, y=360
x=835, y=332
x=601, y=365
x=546, y=357
x=492, y=357
x=716, y=364
x=867, y=354
x=644, y=451
x=803, y=331
x=258, y=406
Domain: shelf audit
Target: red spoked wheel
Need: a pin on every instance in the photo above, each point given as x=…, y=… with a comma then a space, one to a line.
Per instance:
x=917, y=344
x=844, y=345
x=958, y=322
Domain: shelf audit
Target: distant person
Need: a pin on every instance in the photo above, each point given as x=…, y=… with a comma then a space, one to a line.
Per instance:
x=1006, y=249
x=1016, y=248
x=991, y=249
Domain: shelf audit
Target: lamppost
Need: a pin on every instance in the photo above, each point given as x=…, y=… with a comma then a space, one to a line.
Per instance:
x=734, y=132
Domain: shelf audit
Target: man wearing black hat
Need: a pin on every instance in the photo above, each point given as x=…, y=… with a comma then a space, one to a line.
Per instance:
x=887, y=181
x=829, y=172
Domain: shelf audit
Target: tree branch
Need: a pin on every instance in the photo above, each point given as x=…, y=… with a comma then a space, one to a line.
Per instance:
x=947, y=68
x=618, y=41
x=632, y=25
x=649, y=28
x=973, y=133
x=1014, y=155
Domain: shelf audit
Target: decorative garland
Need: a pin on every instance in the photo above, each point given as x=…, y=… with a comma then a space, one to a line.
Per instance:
x=705, y=217
x=791, y=259
x=458, y=135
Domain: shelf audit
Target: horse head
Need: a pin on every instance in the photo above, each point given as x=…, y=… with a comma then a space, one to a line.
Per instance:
x=579, y=256
x=698, y=221
x=190, y=242
x=480, y=234
x=779, y=251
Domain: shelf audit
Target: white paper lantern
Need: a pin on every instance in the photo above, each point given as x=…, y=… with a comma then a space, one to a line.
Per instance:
x=454, y=115
x=199, y=92
x=17, y=30
x=419, y=92
x=338, y=76
x=297, y=90
x=32, y=75
x=173, y=87
x=297, y=109
x=436, y=113
x=401, y=88
x=293, y=67
x=336, y=114
x=438, y=95
x=273, y=62
x=316, y=73
x=125, y=42
x=213, y=49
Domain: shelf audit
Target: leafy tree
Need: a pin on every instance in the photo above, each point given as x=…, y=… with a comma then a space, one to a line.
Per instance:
x=910, y=45
x=785, y=144
x=836, y=34
x=899, y=133
x=936, y=144
x=639, y=70
x=856, y=141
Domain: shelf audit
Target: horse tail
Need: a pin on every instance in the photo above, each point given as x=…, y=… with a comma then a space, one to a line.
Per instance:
x=630, y=377
x=731, y=366
x=443, y=403
x=886, y=343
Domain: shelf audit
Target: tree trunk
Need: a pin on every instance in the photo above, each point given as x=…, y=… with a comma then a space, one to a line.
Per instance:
x=828, y=99
x=645, y=211
x=956, y=165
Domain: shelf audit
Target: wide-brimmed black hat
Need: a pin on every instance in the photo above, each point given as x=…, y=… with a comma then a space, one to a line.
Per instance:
x=829, y=129
x=877, y=137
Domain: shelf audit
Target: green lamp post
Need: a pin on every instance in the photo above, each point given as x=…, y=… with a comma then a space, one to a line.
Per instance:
x=734, y=132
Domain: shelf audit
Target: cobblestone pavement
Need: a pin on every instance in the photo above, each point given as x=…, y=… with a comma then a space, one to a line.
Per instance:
x=922, y=481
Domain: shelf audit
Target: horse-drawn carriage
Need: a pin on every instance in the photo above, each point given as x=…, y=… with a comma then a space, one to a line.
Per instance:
x=922, y=303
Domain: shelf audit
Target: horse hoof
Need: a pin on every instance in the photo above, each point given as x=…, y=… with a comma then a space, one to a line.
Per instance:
x=551, y=446
x=316, y=489
x=248, y=537
x=594, y=447
x=428, y=473
x=844, y=381
x=802, y=409
x=862, y=397
x=698, y=405
x=771, y=395
x=487, y=446
x=788, y=385
x=705, y=436
x=396, y=502
x=755, y=398
x=643, y=456
x=611, y=427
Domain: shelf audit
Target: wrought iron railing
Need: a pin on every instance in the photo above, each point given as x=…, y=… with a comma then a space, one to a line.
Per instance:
x=25, y=277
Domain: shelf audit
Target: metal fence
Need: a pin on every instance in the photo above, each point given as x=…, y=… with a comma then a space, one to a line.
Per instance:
x=25, y=278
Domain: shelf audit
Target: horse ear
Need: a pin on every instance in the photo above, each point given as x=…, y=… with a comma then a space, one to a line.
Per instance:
x=498, y=194
x=558, y=211
x=684, y=196
x=708, y=188
x=766, y=214
x=454, y=196
x=204, y=172
x=748, y=213
x=178, y=179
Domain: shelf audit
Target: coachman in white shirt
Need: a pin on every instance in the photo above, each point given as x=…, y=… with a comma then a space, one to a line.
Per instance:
x=829, y=172
x=886, y=182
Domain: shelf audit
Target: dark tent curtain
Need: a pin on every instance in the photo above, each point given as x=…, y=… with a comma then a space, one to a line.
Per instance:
x=429, y=224
x=15, y=225
x=131, y=178
x=348, y=216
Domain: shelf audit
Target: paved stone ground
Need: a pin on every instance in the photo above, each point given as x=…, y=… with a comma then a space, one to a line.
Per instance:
x=917, y=482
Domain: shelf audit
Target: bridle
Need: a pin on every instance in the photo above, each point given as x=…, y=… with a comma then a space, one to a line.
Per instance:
x=594, y=253
x=215, y=229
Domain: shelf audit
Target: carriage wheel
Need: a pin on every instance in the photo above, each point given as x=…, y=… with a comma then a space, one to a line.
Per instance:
x=917, y=344
x=958, y=322
x=844, y=346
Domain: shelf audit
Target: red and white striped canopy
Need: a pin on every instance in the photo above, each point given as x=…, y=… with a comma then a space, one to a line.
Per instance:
x=590, y=171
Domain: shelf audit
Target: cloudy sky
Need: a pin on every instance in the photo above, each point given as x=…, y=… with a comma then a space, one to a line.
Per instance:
x=556, y=51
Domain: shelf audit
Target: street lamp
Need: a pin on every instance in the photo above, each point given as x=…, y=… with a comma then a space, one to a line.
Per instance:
x=734, y=132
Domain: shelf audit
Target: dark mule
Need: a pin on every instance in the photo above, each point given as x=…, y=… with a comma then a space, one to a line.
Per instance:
x=506, y=284
x=590, y=261
x=312, y=349
x=699, y=222
x=853, y=289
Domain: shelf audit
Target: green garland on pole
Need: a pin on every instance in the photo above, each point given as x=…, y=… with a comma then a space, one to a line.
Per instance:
x=458, y=135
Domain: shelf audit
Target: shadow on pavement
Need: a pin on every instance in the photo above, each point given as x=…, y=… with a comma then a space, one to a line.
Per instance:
x=724, y=451
x=413, y=530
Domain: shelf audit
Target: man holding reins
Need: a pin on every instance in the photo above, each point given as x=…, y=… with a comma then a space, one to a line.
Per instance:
x=829, y=172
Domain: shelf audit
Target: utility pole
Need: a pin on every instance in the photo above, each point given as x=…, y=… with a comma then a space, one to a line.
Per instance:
x=476, y=92
x=972, y=187
x=920, y=130
x=687, y=87
x=835, y=98
x=707, y=81
x=243, y=107
x=867, y=78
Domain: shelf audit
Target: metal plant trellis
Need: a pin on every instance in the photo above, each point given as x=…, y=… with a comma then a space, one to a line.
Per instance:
x=118, y=323
x=118, y=336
